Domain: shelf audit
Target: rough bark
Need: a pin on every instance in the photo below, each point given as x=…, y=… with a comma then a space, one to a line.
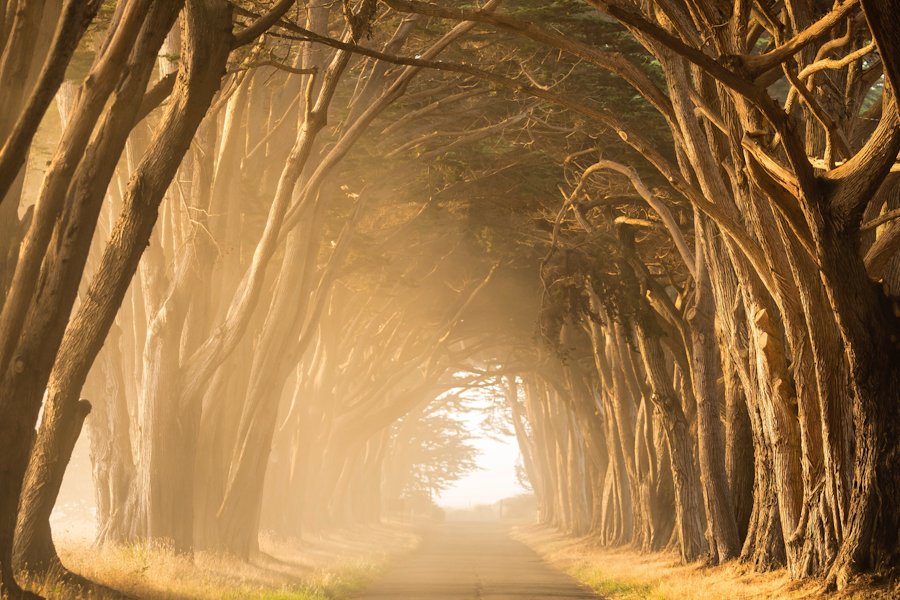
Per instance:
x=687, y=489
x=722, y=538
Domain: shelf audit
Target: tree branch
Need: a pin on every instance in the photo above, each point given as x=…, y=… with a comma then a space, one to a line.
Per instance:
x=659, y=207
x=737, y=78
x=884, y=23
x=758, y=64
x=852, y=184
x=155, y=96
x=613, y=62
x=73, y=22
x=261, y=24
x=836, y=63
x=647, y=149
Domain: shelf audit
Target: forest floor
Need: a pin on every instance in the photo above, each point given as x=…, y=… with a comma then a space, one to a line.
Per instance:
x=326, y=567
x=625, y=574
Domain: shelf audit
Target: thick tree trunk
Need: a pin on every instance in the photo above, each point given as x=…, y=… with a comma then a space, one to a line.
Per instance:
x=537, y=414
x=722, y=538
x=13, y=462
x=664, y=489
x=871, y=331
x=731, y=328
x=645, y=527
x=764, y=544
x=624, y=400
x=242, y=501
x=687, y=484
x=218, y=431
x=34, y=550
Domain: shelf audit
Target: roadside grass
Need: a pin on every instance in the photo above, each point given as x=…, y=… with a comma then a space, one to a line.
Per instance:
x=626, y=574
x=327, y=567
x=607, y=586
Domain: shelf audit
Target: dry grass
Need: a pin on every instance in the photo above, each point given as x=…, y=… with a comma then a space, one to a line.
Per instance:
x=318, y=568
x=624, y=574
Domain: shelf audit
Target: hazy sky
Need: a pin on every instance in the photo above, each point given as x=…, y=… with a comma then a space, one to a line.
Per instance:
x=496, y=478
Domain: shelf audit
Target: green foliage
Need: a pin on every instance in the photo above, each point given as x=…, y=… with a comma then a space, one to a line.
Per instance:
x=609, y=587
x=435, y=449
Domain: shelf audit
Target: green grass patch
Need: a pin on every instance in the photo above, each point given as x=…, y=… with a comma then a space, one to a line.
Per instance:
x=610, y=587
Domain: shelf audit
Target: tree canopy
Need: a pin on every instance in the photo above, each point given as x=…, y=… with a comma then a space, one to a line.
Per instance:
x=257, y=249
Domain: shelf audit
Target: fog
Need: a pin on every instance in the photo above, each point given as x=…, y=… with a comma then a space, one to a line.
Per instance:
x=497, y=474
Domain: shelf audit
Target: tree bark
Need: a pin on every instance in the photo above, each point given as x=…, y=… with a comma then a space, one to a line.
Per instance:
x=722, y=539
x=43, y=310
x=687, y=484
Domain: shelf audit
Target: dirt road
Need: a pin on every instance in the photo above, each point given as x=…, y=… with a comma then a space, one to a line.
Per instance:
x=480, y=561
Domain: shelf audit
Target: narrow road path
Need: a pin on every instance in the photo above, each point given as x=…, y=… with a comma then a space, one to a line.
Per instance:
x=480, y=561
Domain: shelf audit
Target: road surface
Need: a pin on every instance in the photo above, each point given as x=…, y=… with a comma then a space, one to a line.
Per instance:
x=457, y=561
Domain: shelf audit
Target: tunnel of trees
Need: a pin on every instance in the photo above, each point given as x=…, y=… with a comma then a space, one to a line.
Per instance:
x=255, y=250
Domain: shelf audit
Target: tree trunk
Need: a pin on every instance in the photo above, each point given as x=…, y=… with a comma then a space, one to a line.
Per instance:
x=204, y=55
x=871, y=332
x=111, y=449
x=40, y=300
x=739, y=449
x=687, y=484
x=723, y=534
x=34, y=550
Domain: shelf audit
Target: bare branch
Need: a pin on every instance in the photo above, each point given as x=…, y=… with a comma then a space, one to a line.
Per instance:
x=658, y=206
x=884, y=23
x=853, y=183
x=760, y=63
x=280, y=66
x=881, y=220
x=836, y=63
x=261, y=24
